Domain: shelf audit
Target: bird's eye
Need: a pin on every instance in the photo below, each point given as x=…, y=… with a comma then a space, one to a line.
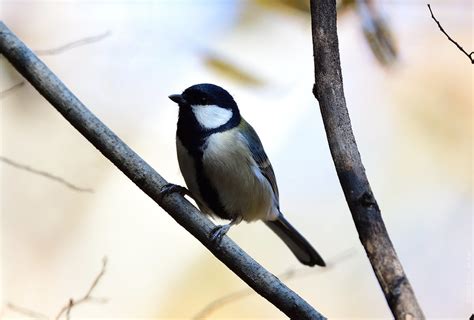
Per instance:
x=203, y=100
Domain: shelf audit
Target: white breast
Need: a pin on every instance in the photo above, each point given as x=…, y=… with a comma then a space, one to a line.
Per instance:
x=241, y=187
x=211, y=116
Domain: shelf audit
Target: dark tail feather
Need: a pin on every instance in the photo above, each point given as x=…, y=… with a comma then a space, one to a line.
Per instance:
x=300, y=247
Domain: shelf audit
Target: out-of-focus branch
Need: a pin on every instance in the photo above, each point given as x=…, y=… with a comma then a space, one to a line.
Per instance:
x=26, y=312
x=329, y=91
x=469, y=55
x=377, y=32
x=44, y=174
x=147, y=179
x=287, y=275
x=87, y=297
x=71, y=303
x=73, y=44
x=7, y=91
x=58, y=50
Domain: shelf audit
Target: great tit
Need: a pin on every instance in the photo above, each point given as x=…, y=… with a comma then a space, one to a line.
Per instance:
x=226, y=169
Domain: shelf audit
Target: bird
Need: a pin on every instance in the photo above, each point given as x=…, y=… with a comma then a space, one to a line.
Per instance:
x=226, y=169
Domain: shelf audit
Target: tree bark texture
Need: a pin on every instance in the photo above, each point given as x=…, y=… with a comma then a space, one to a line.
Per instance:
x=329, y=91
x=148, y=180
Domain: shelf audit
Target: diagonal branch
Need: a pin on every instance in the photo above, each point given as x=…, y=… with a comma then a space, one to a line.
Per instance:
x=71, y=303
x=58, y=50
x=235, y=296
x=26, y=312
x=329, y=91
x=45, y=174
x=73, y=44
x=14, y=87
x=87, y=297
x=469, y=55
x=148, y=180
x=377, y=32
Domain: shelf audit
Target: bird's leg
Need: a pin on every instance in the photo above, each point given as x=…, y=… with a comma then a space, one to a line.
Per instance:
x=170, y=188
x=219, y=231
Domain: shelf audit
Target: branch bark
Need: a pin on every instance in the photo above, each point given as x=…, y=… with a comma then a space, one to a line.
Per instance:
x=148, y=180
x=329, y=91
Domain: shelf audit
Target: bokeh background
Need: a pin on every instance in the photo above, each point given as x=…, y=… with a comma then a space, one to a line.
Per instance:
x=412, y=117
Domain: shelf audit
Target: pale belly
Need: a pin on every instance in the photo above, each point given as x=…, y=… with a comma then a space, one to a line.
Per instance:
x=242, y=190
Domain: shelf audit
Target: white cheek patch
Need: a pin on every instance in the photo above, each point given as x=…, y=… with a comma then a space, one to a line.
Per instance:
x=211, y=116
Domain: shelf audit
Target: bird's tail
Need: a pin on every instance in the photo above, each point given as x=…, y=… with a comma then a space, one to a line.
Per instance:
x=300, y=247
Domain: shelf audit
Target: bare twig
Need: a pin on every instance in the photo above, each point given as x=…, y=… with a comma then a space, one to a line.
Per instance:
x=222, y=302
x=73, y=44
x=26, y=312
x=235, y=296
x=58, y=50
x=147, y=179
x=87, y=297
x=71, y=303
x=44, y=174
x=469, y=55
x=329, y=91
x=7, y=91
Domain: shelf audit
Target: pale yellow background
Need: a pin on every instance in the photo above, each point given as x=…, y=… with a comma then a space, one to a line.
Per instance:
x=413, y=124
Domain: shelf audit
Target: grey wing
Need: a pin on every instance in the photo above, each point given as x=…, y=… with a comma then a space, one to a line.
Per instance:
x=259, y=155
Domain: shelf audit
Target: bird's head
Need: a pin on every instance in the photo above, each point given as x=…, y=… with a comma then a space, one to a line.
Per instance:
x=211, y=105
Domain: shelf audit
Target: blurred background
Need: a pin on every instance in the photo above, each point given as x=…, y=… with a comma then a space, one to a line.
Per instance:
x=410, y=95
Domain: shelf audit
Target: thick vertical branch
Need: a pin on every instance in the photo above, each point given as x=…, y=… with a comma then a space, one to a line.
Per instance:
x=148, y=180
x=328, y=90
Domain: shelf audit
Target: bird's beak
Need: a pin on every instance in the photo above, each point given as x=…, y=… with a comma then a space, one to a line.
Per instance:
x=178, y=99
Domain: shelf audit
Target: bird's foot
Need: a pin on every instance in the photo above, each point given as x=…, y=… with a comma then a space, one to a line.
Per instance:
x=218, y=232
x=170, y=188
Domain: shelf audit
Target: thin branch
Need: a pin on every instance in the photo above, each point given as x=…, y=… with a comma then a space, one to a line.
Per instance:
x=328, y=90
x=235, y=296
x=44, y=174
x=87, y=297
x=71, y=303
x=58, y=50
x=147, y=179
x=7, y=91
x=469, y=55
x=26, y=312
x=73, y=44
